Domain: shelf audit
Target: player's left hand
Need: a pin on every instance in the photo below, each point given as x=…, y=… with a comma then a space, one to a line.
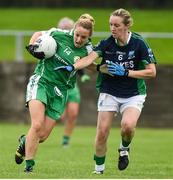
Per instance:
x=85, y=78
x=68, y=68
x=116, y=69
x=31, y=49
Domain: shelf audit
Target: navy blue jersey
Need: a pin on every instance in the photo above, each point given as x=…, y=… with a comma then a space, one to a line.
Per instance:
x=133, y=56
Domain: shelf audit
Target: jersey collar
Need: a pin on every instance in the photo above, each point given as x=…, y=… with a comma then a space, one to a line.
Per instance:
x=130, y=34
x=128, y=39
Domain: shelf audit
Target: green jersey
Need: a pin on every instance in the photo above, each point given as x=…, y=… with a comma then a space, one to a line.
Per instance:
x=66, y=54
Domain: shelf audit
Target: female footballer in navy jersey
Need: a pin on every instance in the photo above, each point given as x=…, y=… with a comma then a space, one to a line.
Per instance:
x=129, y=61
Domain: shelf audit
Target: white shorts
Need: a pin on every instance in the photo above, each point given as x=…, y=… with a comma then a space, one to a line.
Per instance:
x=107, y=102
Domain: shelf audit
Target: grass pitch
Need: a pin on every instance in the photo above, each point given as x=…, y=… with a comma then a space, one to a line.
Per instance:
x=151, y=155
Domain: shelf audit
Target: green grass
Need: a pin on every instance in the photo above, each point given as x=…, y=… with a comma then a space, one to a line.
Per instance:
x=42, y=19
x=151, y=155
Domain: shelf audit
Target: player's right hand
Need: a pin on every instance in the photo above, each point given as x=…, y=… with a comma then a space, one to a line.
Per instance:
x=31, y=49
x=116, y=69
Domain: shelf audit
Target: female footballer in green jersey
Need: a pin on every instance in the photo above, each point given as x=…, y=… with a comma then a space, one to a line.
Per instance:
x=130, y=61
x=47, y=89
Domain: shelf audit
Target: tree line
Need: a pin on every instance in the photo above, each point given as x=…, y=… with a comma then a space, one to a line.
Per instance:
x=150, y=4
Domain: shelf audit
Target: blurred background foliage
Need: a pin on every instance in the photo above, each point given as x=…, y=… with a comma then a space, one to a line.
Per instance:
x=152, y=4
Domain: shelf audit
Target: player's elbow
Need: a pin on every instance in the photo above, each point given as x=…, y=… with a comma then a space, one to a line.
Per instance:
x=150, y=74
x=153, y=73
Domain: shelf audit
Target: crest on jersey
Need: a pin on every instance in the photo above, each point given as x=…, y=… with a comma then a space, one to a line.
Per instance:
x=76, y=58
x=131, y=55
x=150, y=53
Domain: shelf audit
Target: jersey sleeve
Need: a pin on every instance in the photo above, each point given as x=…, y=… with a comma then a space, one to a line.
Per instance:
x=48, y=32
x=146, y=53
x=99, y=48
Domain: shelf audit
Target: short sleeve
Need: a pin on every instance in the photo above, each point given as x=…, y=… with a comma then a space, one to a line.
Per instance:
x=99, y=48
x=48, y=32
x=146, y=53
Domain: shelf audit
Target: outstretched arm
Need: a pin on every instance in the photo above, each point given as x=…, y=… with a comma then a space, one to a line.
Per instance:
x=86, y=61
x=79, y=64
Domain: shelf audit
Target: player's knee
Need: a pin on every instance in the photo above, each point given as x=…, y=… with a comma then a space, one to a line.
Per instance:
x=72, y=120
x=127, y=128
x=37, y=126
x=73, y=116
x=43, y=135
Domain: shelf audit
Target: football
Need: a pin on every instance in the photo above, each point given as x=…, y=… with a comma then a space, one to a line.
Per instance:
x=46, y=44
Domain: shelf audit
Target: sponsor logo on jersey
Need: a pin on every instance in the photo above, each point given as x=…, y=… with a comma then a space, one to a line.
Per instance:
x=109, y=52
x=120, y=53
x=128, y=64
x=76, y=58
x=60, y=59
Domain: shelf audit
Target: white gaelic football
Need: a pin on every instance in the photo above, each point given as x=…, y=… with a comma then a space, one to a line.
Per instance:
x=46, y=44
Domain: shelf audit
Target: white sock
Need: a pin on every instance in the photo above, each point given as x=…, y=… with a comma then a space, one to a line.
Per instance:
x=122, y=147
x=100, y=167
